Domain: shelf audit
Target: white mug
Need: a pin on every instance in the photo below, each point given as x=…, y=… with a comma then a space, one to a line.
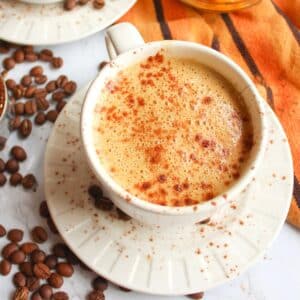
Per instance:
x=126, y=47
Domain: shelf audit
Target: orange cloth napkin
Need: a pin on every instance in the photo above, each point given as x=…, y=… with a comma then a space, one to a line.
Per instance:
x=263, y=40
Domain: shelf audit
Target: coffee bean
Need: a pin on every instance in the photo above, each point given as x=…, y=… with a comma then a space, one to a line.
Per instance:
x=26, y=268
x=100, y=283
x=30, y=107
x=42, y=103
x=60, y=295
x=25, y=128
x=29, y=181
x=37, y=256
x=32, y=283
x=40, y=79
x=26, y=80
x=104, y=204
x=2, y=231
x=60, y=105
x=4, y=49
x=2, y=179
x=51, y=86
x=57, y=62
x=44, y=211
x=123, y=216
x=9, y=249
x=46, y=291
x=40, y=118
x=3, y=141
x=40, y=270
x=58, y=96
x=21, y=293
x=5, y=267
x=51, y=261
x=17, y=257
x=30, y=92
x=31, y=57
x=19, y=108
x=15, y=123
x=72, y=258
x=69, y=4
x=52, y=115
x=95, y=191
x=96, y=295
x=64, y=269
x=98, y=4
x=15, y=235
x=12, y=166
x=18, y=153
x=15, y=179
x=60, y=250
x=196, y=295
x=39, y=234
x=2, y=165
x=70, y=87
x=19, y=279
x=47, y=52
x=52, y=226
x=36, y=71
x=8, y=63
x=55, y=280
x=10, y=84
x=40, y=93
x=61, y=81
x=18, y=91
x=28, y=49
x=36, y=296
x=19, y=56
x=29, y=247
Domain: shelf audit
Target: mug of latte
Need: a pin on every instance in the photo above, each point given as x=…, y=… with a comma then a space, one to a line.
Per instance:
x=173, y=130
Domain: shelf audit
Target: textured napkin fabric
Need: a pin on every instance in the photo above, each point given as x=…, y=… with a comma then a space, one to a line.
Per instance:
x=263, y=40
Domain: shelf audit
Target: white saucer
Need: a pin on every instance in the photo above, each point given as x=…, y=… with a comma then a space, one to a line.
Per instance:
x=48, y=24
x=179, y=260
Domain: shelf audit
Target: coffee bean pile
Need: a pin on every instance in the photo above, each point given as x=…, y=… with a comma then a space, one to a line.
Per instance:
x=71, y=4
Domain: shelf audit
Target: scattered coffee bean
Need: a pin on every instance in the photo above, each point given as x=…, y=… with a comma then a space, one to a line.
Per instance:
x=196, y=295
x=30, y=92
x=18, y=91
x=8, y=63
x=19, y=108
x=29, y=247
x=31, y=57
x=55, y=280
x=70, y=87
x=52, y=226
x=42, y=103
x=40, y=79
x=10, y=84
x=29, y=181
x=19, y=56
x=72, y=258
x=69, y=4
x=2, y=165
x=25, y=128
x=36, y=296
x=2, y=179
x=18, y=153
x=100, y=283
x=83, y=2
x=15, y=179
x=58, y=96
x=47, y=52
x=5, y=267
x=60, y=105
x=64, y=269
x=9, y=249
x=40, y=93
x=46, y=291
x=98, y=4
x=40, y=270
x=39, y=234
x=32, y=283
x=95, y=191
x=40, y=118
x=15, y=123
x=37, y=256
x=52, y=115
x=26, y=268
x=51, y=86
x=30, y=107
x=44, y=211
x=51, y=261
x=104, y=204
x=26, y=80
x=19, y=279
x=57, y=62
x=60, y=296
x=60, y=250
x=15, y=235
x=2, y=142
x=61, y=81
x=36, y=71
x=12, y=166
x=123, y=216
x=28, y=49
x=17, y=257
x=2, y=231
x=46, y=55
x=96, y=295
x=21, y=293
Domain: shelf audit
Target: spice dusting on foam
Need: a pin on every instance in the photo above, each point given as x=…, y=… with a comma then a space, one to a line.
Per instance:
x=173, y=131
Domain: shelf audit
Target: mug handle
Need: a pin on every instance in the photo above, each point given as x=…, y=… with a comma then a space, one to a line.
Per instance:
x=122, y=37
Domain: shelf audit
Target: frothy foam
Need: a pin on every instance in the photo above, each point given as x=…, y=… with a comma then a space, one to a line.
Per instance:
x=172, y=131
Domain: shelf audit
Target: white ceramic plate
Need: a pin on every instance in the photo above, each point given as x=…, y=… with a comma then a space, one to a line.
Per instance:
x=49, y=24
x=179, y=260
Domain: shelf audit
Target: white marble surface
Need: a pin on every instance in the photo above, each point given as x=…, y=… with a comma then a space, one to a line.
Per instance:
x=276, y=277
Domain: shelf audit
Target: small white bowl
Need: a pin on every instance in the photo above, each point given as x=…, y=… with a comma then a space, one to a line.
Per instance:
x=124, y=38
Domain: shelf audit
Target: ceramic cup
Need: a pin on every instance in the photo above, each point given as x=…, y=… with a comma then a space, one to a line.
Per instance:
x=126, y=47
